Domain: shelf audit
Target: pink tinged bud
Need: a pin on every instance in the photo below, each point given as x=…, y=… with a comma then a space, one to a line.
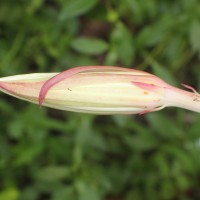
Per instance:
x=100, y=90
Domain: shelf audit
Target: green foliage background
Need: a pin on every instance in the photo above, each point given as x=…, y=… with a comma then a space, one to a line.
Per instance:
x=54, y=155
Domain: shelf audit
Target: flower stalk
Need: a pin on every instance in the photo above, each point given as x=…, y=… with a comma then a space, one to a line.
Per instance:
x=100, y=90
x=184, y=99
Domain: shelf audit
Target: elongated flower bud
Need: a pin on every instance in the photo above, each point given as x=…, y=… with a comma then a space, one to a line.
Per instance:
x=100, y=90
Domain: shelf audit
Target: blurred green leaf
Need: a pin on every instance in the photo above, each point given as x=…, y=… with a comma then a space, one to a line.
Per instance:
x=149, y=36
x=136, y=9
x=25, y=155
x=86, y=191
x=164, y=126
x=9, y=194
x=122, y=42
x=16, y=129
x=30, y=193
x=167, y=189
x=193, y=131
x=64, y=193
x=154, y=33
x=194, y=35
x=134, y=195
x=75, y=8
x=182, y=182
x=53, y=173
x=89, y=46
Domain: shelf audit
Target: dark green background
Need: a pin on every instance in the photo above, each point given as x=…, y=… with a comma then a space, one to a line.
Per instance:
x=47, y=154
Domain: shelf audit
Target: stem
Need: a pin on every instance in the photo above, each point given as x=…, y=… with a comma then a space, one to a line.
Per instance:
x=183, y=99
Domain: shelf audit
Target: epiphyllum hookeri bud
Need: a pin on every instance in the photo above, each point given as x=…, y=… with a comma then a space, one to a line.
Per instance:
x=100, y=90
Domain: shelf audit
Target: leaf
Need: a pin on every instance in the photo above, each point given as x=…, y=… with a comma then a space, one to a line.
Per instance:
x=154, y=33
x=89, y=46
x=167, y=189
x=16, y=129
x=149, y=36
x=122, y=42
x=25, y=157
x=87, y=191
x=64, y=193
x=9, y=194
x=52, y=173
x=183, y=157
x=29, y=193
x=164, y=126
x=194, y=36
x=75, y=8
x=135, y=7
x=193, y=132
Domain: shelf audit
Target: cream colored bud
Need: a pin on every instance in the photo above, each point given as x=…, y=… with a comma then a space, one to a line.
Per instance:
x=99, y=90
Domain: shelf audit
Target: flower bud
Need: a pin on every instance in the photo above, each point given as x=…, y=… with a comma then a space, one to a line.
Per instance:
x=100, y=90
